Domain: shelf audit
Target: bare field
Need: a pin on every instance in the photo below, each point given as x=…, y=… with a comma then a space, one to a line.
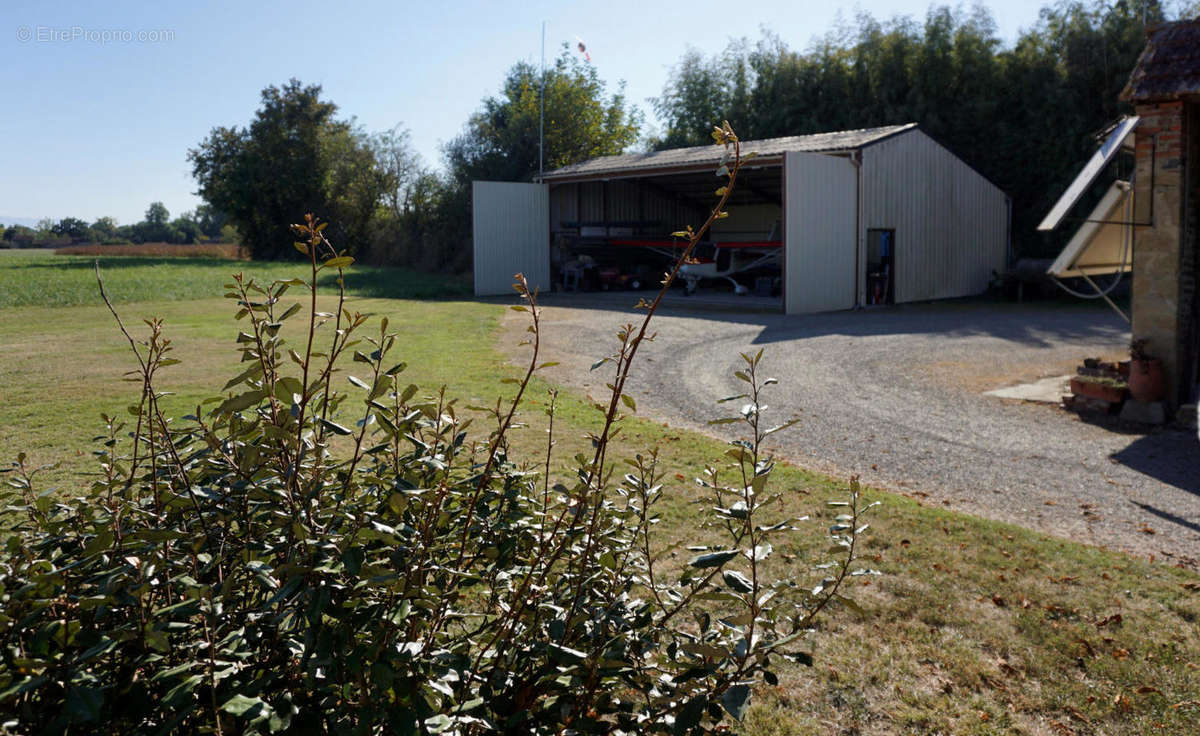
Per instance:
x=232, y=251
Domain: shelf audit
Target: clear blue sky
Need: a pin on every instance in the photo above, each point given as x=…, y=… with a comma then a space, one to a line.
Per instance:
x=94, y=128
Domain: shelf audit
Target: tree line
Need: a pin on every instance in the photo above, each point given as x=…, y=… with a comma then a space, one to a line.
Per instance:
x=202, y=224
x=1025, y=116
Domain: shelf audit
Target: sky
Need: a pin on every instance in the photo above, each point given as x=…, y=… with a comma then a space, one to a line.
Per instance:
x=103, y=100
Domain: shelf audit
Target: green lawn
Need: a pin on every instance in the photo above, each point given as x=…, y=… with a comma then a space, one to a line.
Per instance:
x=38, y=278
x=975, y=628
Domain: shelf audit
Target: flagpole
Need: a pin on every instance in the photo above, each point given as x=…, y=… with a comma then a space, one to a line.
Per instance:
x=542, y=112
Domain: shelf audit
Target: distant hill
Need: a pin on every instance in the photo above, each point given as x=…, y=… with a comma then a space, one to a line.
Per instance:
x=27, y=221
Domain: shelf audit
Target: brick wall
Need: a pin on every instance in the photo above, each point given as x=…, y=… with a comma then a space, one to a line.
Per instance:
x=1160, y=308
x=1189, y=271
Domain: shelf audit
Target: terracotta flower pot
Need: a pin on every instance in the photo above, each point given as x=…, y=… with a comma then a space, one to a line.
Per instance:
x=1147, y=382
x=1092, y=389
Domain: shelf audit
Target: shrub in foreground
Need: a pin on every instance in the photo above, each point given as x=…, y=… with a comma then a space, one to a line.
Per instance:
x=264, y=566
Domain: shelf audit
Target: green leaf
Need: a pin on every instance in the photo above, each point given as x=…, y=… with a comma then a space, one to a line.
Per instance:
x=382, y=384
x=781, y=427
x=358, y=382
x=175, y=696
x=240, y=402
x=740, y=454
x=339, y=262
x=759, y=483
x=713, y=559
x=735, y=700
x=157, y=640
x=334, y=427
x=737, y=581
x=850, y=603
x=84, y=704
x=252, y=372
x=287, y=387
x=174, y=671
x=29, y=683
x=242, y=706
x=567, y=652
x=290, y=311
x=690, y=715
x=627, y=400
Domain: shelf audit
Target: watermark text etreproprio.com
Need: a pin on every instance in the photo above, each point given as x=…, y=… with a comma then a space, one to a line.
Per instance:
x=83, y=34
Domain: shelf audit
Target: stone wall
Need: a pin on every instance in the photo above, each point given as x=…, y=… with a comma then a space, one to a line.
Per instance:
x=1189, y=272
x=1160, y=308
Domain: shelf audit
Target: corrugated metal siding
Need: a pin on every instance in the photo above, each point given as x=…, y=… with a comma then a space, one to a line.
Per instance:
x=591, y=201
x=951, y=224
x=747, y=222
x=511, y=236
x=819, y=247
x=625, y=202
x=563, y=206
x=664, y=216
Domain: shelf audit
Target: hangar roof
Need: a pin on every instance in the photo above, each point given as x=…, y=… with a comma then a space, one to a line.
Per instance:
x=769, y=150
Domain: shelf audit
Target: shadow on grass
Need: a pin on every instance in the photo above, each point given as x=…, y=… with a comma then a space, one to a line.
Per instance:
x=361, y=281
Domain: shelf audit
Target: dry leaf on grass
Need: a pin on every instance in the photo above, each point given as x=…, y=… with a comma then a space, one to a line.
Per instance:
x=1077, y=714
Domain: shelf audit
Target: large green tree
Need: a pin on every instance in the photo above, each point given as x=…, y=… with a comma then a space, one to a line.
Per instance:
x=429, y=222
x=582, y=121
x=71, y=227
x=294, y=157
x=699, y=94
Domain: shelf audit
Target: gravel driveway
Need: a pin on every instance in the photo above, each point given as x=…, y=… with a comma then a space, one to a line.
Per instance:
x=895, y=395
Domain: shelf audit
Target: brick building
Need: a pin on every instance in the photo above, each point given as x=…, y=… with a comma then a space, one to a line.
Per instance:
x=1164, y=88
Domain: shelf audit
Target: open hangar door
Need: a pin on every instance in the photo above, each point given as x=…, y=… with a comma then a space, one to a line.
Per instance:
x=510, y=235
x=614, y=235
x=821, y=233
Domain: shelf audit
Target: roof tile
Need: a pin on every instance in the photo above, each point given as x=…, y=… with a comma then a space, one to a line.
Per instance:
x=1169, y=66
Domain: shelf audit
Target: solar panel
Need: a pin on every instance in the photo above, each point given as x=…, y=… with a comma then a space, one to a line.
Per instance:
x=1088, y=174
x=1101, y=246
